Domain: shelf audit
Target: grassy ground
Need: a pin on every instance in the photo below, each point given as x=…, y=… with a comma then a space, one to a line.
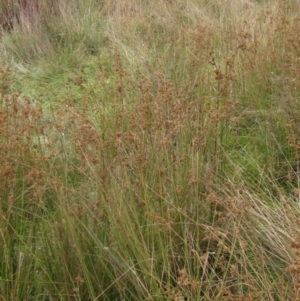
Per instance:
x=150, y=150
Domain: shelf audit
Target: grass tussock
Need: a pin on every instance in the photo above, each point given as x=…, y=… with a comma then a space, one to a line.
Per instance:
x=149, y=150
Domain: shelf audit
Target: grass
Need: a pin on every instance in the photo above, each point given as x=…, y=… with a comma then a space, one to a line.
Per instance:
x=149, y=150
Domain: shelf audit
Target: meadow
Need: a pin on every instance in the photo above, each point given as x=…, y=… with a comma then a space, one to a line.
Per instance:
x=149, y=150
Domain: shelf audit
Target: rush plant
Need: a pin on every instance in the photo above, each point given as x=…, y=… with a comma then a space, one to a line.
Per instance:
x=149, y=151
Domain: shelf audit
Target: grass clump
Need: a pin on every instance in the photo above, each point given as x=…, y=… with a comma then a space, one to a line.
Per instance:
x=149, y=151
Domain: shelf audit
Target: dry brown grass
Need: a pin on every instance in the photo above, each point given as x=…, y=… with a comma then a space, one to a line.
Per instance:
x=19, y=12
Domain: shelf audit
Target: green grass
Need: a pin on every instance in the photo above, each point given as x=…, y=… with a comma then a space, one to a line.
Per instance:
x=149, y=151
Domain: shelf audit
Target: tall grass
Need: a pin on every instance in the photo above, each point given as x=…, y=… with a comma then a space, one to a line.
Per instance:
x=149, y=151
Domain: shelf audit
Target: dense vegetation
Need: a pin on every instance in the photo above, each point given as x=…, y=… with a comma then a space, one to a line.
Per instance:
x=149, y=150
